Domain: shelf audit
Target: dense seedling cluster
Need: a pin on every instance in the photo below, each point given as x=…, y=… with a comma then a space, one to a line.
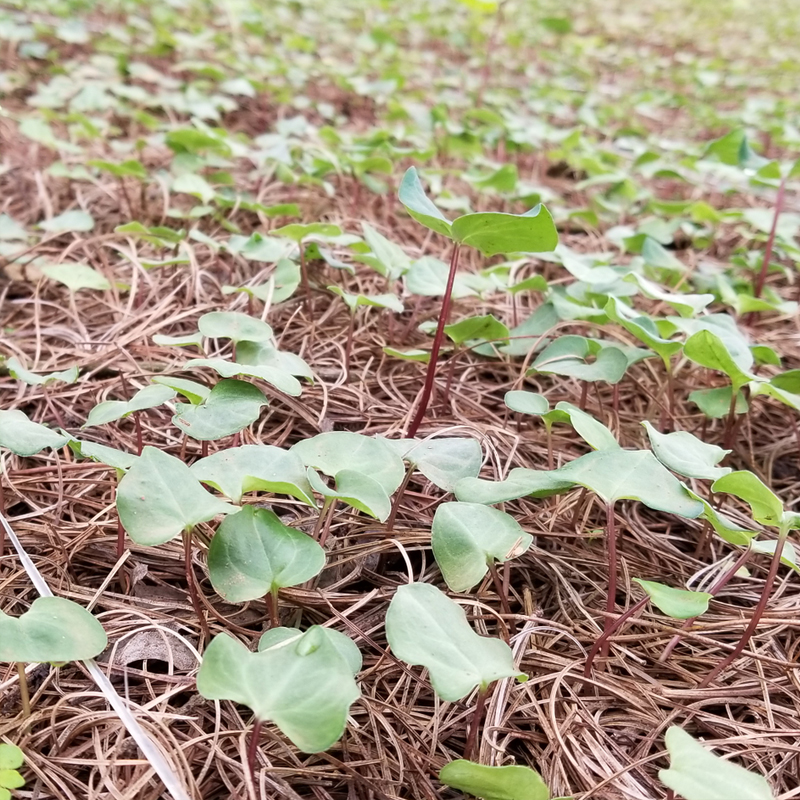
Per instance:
x=400, y=401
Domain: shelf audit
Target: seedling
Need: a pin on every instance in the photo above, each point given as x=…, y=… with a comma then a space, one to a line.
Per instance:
x=686, y=454
x=16, y=370
x=11, y=759
x=112, y=410
x=303, y=682
x=494, y=783
x=234, y=326
x=489, y=232
x=53, y=630
x=280, y=286
x=425, y=628
x=253, y=554
x=158, y=499
x=280, y=378
x=695, y=773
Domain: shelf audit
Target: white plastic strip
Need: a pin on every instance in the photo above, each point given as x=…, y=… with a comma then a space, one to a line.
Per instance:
x=146, y=745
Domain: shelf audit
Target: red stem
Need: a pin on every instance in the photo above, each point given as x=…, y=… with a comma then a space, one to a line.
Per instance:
x=477, y=716
x=252, y=749
x=757, y=614
x=603, y=638
x=758, y=286
x=611, y=597
x=348, y=350
x=271, y=599
x=195, y=597
x=398, y=498
x=422, y=407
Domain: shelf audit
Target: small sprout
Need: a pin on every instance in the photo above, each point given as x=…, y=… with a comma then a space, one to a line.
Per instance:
x=695, y=773
x=471, y=329
x=234, y=326
x=302, y=683
x=159, y=498
x=568, y=356
x=23, y=437
x=527, y=402
x=16, y=370
x=280, y=286
x=468, y=537
x=675, y=603
x=11, y=759
x=443, y=461
x=230, y=406
x=709, y=350
x=253, y=554
x=494, y=783
x=354, y=301
x=52, y=630
x=264, y=354
x=254, y=468
x=425, y=628
x=644, y=329
x=112, y=410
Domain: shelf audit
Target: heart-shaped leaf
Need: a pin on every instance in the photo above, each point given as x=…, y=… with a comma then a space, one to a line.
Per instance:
x=353, y=301
x=159, y=497
x=675, y=603
x=54, y=630
x=263, y=354
x=112, y=410
x=765, y=505
x=116, y=459
x=520, y=482
x=16, y=370
x=467, y=537
x=485, y=327
x=392, y=257
x=297, y=232
x=708, y=350
x=76, y=276
x=425, y=628
x=593, y=432
x=419, y=206
x=443, y=461
x=75, y=220
x=305, y=686
x=234, y=326
x=253, y=553
x=728, y=530
x=643, y=328
x=527, y=402
x=231, y=406
x=686, y=454
x=278, y=378
x=494, y=783
x=194, y=392
x=493, y=232
x=357, y=490
x=568, y=355
x=276, y=637
x=695, y=773
x=335, y=451
x=24, y=437
x=255, y=468
x=716, y=403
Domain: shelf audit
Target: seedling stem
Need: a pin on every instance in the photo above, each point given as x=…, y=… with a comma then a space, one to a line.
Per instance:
x=477, y=716
x=24, y=694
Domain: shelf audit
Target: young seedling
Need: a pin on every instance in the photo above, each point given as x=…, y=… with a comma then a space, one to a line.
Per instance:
x=686, y=454
x=16, y=370
x=24, y=437
x=766, y=509
x=280, y=286
x=490, y=233
x=234, y=326
x=353, y=302
x=53, y=630
x=303, y=682
x=11, y=759
x=112, y=410
x=253, y=554
x=388, y=258
x=495, y=783
x=280, y=378
x=158, y=499
x=425, y=628
x=695, y=773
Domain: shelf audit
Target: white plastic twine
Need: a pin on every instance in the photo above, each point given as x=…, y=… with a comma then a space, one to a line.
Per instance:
x=148, y=747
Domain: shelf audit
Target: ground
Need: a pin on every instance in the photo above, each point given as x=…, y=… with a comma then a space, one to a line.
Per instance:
x=224, y=112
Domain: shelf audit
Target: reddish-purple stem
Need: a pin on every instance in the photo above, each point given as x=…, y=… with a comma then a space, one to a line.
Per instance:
x=602, y=639
x=611, y=546
x=422, y=407
x=398, y=498
x=193, y=594
x=758, y=286
x=477, y=716
x=252, y=749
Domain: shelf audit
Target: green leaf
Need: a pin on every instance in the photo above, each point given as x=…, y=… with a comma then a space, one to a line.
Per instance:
x=196, y=185
x=11, y=757
x=357, y=490
x=305, y=686
x=235, y=326
x=593, y=432
x=116, y=459
x=716, y=403
x=53, y=629
x=631, y=475
x=353, y=301
x=253, y=553
x=335, y=451
x=421, y=356
x=708, y=350
x=127, y=169
x=610, y=365
x=527, y=402
x=494, y=783
x=159, y=497
x=111, y=410
x=259, y=248
x=231, y=406
x=419, y=206
x=427, y=276
x=485, y=327
x=19, y=372
x=519, y=483
x=194, y=392
x=643, y=328
x=695, y=773
x=675, y=603
x=278, y=378
x=347, y=648
x=392, y=257
x=24, y=437
x=493, y=232
x=11, y=230
x=75, y=220
x=765, y=505
x=254, y=468
x=184, y=340
x=687, y=305
x=425, y=628
x=788, y=554
x=76, y=276
x=443, y=461
x=728, y=530
x=297, y=232
x=467, y=537
x=686, y=454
